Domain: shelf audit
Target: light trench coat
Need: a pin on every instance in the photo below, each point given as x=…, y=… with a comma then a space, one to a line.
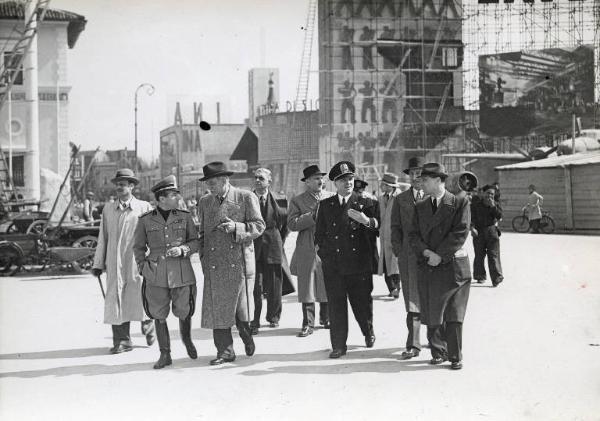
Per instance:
x=114, y=254
x=306, y=265
x=227, y=259
x=385, y=235
x=534, y=203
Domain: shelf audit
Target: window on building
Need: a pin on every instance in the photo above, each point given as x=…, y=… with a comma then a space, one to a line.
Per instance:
x=449, y=57
x=18, y=168
x=10, y=61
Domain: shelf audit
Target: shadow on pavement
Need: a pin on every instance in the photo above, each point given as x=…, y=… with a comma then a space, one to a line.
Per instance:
x=59, y=353
x=265, y=331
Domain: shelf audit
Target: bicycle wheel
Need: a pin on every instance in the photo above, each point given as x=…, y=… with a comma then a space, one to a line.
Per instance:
x=547, y=224
x=520, y=223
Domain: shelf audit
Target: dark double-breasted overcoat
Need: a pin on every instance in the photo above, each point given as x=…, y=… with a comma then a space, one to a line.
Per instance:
x=443, y=289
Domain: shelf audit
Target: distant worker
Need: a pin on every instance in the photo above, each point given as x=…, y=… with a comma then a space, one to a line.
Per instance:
x=485, y=215
x=533, y=208
x=388, y=264
x=88, y=206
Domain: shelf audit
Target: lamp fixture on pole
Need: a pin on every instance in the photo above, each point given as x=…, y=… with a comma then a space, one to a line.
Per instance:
x=149, y=90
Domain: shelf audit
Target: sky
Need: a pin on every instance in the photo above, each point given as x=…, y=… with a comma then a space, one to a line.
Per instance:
x=189, y=50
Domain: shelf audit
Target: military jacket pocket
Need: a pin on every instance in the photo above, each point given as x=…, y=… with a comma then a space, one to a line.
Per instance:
x=462, y=268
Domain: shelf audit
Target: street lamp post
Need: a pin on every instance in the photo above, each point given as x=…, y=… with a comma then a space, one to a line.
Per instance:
x=149, y=91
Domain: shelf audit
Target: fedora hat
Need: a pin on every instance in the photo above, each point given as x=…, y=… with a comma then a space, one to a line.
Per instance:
x=214, y=169
x=310, y=171
x=390, y=179
x=413, y=163
x=433, y=169
x=125, y=174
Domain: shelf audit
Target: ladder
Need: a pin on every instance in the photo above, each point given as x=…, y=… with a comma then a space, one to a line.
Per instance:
x=10, y=68
x=7, y=188
x=304, y=78
x=438, y=116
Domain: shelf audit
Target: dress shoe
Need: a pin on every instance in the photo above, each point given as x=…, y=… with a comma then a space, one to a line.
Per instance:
x=250, y=348
x=120, y=349
x=274, y=324
x=222, y=360
x=456, y=365
x=326, y=324
x=395, y=293
x=498, y=281
x=306, y=330
x=438, y=360
x=150, y=339
x=410, y=353
x=163, y=361
x=254, y=330
x=370, y=341
x=337, y=353
x=480, y=281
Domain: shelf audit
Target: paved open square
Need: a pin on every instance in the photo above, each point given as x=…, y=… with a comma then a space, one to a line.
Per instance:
x=531, y=351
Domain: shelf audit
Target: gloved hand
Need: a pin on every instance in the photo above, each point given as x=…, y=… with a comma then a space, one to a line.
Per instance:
x=96, y=272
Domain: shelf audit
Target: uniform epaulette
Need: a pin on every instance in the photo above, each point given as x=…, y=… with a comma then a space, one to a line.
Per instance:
x=147, y=213
x=183, y=210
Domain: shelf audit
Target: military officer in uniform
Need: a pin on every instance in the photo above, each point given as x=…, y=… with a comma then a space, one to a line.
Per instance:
x=345, y=223
x=171, y=237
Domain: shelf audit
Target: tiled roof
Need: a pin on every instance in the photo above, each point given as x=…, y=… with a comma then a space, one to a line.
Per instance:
x=16, y=10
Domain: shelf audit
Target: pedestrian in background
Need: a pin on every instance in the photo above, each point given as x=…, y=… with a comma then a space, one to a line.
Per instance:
x=485, y=215
x=533, y=207
x=170, y=236
x=438, y=234
x=88, y=206
x=114, y=254
x=269, y=252
x=401, y=224
x=388, y=264
x=343, y=237
x=306, y=264
x=229, y=221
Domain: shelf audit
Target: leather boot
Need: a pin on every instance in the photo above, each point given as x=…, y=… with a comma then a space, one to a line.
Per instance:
x=164, y=344
x=185, y=329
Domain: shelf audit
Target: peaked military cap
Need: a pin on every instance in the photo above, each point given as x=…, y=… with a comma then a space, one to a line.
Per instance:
x=360, y=184
x=341, y=169
x=167, y=183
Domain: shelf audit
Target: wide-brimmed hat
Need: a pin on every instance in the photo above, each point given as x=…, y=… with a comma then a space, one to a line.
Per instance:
x=433, y=169
x=310, y=171
x=341, y=169
x=125, y=174
x=214, y=169
x=390, y=179
x=167, y=183
x=414, y=163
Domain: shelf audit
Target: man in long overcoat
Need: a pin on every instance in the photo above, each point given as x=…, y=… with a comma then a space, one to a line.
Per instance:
x=388, y=264
x=440, y=229
x=401, y=224
x=114, y=254
x=306, y=265
x=269, y=252
x=345, y=223
x=229, y=222
x=534, y=211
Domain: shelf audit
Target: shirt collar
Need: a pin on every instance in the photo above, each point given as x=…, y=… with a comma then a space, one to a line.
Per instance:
x=346, y=198
x=416, y=193
x=438, y=198
x=124, y=205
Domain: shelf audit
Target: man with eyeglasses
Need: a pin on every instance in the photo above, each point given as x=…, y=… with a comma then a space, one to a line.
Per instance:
x=170, y=236
x=114, y=254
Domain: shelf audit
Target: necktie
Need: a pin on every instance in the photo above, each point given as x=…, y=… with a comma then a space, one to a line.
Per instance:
x=434, y=204
x=420, y=195
x=343, y=201
x=263, y=206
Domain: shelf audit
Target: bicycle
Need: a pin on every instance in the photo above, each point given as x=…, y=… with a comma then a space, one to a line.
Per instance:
x=520, y=223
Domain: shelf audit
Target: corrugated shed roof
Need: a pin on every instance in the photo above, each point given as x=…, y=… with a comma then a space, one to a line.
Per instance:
x=558, y=161
x=15, y=10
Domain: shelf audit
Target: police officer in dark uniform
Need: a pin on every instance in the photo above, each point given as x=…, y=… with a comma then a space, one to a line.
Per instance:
x=345, y=223
x=171, y=237
x=485, y=215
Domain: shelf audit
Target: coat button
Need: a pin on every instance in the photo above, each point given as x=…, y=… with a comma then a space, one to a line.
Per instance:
x=336, y=237
x=165, y=227
x=338, y=250
x=212, y=249
x=334, y=224
x=230, y=247
x=212, y=267
x=232, y=265
x=353, y=249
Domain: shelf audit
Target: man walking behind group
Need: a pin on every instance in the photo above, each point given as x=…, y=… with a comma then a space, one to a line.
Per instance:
x=306, y=265
x=401, y=224
x=342, y=235
x=269, y=253
x=438, y=234
x=388, y=264
x=114, y=254
x=171, y=237
x=533, y=207
x=229, y=222
x=485, y=215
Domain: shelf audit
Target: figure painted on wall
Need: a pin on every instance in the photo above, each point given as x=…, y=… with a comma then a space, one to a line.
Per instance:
x=367, y=51
x=344, y=3
x=369, y=94
x=388, y=34
x=390, y=95
x=386, y=3
x=368, y=4
x=348, y=93
x=347, y=36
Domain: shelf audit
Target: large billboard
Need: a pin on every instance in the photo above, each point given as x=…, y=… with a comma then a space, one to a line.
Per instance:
x=536, y=92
